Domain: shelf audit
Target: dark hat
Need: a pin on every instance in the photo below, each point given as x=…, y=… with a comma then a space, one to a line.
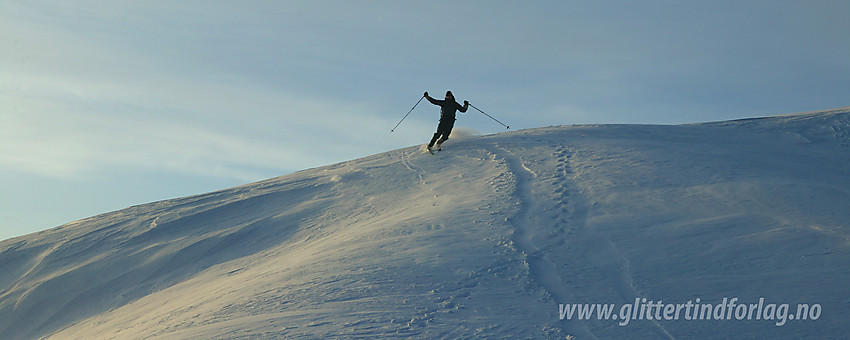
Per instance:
x=449, y=93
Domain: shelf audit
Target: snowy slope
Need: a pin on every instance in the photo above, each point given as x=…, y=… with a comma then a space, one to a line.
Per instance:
x=484, y=239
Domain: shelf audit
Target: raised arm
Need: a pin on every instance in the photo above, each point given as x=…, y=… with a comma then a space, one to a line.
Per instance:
x=465, y=106
x=432, y=100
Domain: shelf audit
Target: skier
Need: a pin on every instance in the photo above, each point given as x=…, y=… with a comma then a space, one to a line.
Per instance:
x=448, y=109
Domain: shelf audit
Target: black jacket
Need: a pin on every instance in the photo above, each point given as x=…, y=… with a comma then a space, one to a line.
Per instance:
x=448, y=108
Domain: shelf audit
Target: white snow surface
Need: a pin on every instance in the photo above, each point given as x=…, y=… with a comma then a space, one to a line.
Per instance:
x=482, y=240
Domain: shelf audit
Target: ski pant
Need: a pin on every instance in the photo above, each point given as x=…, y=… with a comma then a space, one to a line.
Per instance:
x=444, y=129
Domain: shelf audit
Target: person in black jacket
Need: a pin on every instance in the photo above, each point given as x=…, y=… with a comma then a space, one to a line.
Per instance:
x=448, y=109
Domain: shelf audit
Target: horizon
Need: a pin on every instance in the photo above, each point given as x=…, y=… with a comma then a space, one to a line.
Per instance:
x=106, y=106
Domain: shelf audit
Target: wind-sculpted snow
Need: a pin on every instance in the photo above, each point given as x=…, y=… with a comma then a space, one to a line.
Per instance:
x=488, y=238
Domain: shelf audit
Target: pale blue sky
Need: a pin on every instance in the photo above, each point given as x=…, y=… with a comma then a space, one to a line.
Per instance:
x=107, y=104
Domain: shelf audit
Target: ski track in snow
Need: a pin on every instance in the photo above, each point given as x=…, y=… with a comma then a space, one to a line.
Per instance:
x=405, y=161
x=541, y=268
x=611, y=261
x=605, y=256
x=570, y=215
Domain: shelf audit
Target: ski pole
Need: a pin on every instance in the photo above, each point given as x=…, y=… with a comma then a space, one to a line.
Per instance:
x=408, y=112
x=491, y=117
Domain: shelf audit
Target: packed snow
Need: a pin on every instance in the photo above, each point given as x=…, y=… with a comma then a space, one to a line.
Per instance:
x=493, y=237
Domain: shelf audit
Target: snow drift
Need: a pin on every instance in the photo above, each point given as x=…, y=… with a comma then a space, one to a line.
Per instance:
x=488, y=238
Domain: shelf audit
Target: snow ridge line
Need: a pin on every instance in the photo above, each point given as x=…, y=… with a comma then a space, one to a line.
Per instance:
x=541, y=269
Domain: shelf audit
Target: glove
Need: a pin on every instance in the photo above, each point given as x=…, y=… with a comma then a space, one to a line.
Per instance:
x=465, y=102
x=426, y=94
